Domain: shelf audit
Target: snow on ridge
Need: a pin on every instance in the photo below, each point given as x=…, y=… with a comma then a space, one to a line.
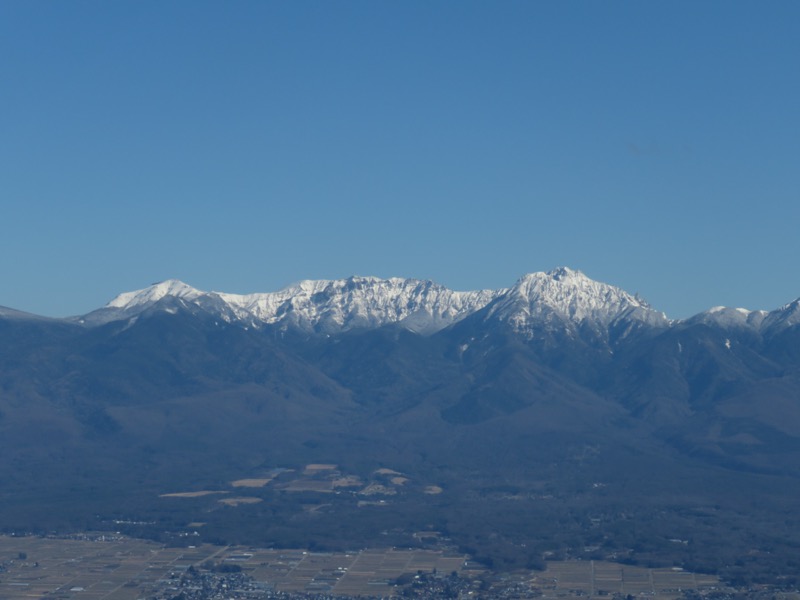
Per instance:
x=726, y=316
x=331, y=305
x=328, y=306
x=793, y=305
x=562, y=295
x=154, y=293
x=783, y=317
x=339, y=304
x=719, y=309
x=570, y=296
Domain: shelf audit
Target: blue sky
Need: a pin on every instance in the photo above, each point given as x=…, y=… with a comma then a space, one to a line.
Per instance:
x=241, y=146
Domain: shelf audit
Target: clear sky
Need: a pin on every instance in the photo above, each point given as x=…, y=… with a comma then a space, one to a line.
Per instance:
x=242, y=146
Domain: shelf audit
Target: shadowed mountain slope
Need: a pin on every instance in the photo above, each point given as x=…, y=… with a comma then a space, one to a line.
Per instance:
x=571, y=398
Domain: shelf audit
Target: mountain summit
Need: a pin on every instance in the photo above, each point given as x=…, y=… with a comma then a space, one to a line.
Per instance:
x=563, y=299
x=569, y=297
x=154, y=293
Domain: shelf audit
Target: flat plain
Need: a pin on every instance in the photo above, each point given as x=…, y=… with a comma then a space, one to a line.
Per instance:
x=113, y=567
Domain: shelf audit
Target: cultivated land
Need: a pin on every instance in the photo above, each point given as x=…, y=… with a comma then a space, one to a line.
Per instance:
x=603, y=579
x=113, y=567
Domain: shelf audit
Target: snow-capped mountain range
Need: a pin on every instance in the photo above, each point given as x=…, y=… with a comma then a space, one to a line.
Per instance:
x=560, y=297
x=556, y=382
x=324, y=306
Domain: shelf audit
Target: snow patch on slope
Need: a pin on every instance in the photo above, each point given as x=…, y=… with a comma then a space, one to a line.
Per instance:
x=154, y=293
x=724, y=316
x=784, y=317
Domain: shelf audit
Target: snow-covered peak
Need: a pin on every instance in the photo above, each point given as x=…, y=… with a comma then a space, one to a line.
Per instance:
x=360, y=302
x=786, y=316
x=154, y=293
x=724, y=316
x=561, y=274
x=568, y=296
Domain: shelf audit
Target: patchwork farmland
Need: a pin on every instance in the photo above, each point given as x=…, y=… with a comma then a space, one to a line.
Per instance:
x=113, y=567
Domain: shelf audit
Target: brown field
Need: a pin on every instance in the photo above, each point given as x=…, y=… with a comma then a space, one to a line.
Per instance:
x=348, y=481
x=387, y=472
x=192, y=494
x=236, y=501
x=315, y=468
x=251, y=483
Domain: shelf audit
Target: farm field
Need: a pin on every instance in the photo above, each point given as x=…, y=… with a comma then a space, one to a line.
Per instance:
x=596, y=579
x=117, y=568
x=102, y=567
x=112, y=567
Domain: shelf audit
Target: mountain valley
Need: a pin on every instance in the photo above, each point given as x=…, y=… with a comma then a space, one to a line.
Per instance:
x=560, y=417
